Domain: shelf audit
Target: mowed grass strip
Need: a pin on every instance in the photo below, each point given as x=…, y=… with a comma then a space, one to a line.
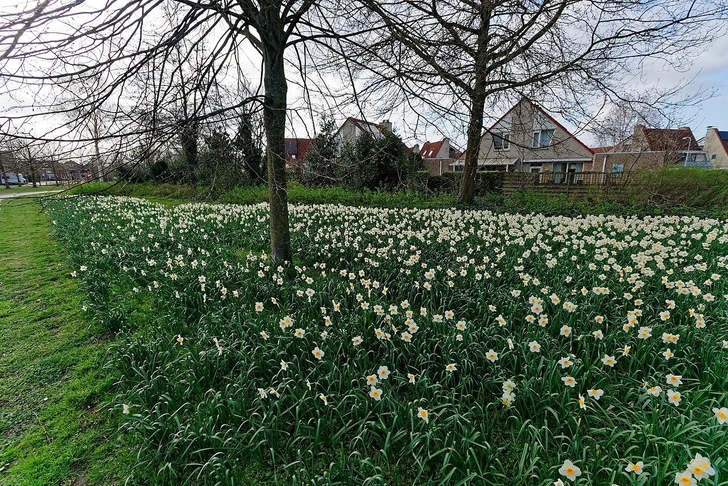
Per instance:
x=29, y=188
x=56, y=423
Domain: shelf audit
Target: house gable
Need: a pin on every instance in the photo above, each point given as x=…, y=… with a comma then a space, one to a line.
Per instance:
x=527, y=137
x=353, y=127
x=716, y=145
x=436, y=150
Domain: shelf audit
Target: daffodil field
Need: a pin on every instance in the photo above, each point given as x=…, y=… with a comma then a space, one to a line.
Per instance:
x=410, y=346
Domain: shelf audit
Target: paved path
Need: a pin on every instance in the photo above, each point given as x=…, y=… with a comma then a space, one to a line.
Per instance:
x=9, y=195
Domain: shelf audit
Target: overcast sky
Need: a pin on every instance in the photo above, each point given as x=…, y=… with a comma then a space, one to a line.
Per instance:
x=710, y=71
x=709, y=75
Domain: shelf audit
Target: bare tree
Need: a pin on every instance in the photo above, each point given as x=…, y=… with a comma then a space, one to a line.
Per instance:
x=5, y=158
x=110, y=42
x=618, y=122
x=458, y=58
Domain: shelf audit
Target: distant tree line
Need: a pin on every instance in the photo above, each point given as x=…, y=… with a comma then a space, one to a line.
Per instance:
x=366, y=163
x=218, y=160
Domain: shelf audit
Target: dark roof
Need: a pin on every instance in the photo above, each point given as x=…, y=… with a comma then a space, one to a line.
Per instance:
x=670, y=139
x=430, y=149
x=291, y=146
x=723, y=137
x=297, y=148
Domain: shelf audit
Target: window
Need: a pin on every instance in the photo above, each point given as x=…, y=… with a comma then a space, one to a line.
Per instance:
x=542, y=138
x=501, y=141
x=617, y=168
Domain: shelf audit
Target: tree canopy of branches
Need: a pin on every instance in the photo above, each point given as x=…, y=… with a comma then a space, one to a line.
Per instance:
x=151, y=69
x=459, y=57
x=137, y=57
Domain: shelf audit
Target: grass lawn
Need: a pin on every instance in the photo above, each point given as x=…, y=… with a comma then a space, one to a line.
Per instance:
x=55, y=423
x=30, y=188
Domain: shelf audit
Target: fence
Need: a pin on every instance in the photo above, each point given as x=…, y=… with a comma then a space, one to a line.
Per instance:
x=562, y=182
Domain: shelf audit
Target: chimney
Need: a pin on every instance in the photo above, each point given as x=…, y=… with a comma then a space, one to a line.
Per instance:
x=387, y=125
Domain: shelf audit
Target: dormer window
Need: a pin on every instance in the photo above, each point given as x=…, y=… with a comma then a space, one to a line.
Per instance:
x=501, y=141
x=542, y=138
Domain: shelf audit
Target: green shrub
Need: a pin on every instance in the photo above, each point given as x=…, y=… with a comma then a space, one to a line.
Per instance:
x=488, y=181
x=120, y=188
x=447, y=182
x=681, y=186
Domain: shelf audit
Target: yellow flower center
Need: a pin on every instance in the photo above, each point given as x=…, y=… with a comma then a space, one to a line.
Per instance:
x=569, y=471
x=722, y=415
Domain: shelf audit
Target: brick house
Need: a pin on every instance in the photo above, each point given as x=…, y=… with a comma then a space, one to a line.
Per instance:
x=716, y=148
x=652, y=148
x=296, y=150
x=438, y=157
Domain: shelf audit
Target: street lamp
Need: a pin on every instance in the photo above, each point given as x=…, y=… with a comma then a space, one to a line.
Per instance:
x=689, y=139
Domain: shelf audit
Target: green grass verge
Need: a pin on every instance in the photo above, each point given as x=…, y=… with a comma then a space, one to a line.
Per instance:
x=170, y=194
x=672, y=191
x=56, y=426
x=30, y=188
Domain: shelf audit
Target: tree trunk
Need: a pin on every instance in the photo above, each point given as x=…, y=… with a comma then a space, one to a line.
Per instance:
x=31, y=167
x=274, y=116
x=96, y=170
x=466, y=194
x=4, y=174
x=188, y=139
x=475, y=126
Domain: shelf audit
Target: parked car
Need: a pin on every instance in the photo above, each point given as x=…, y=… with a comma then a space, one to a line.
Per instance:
x=14, y=179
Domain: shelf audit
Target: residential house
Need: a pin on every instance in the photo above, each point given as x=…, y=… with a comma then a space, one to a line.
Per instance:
x=716, y=148
x=438, y=157
x=528, y=139
x=296, y=150
x=72, y=171
x=353, y=127
x=651, y=148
